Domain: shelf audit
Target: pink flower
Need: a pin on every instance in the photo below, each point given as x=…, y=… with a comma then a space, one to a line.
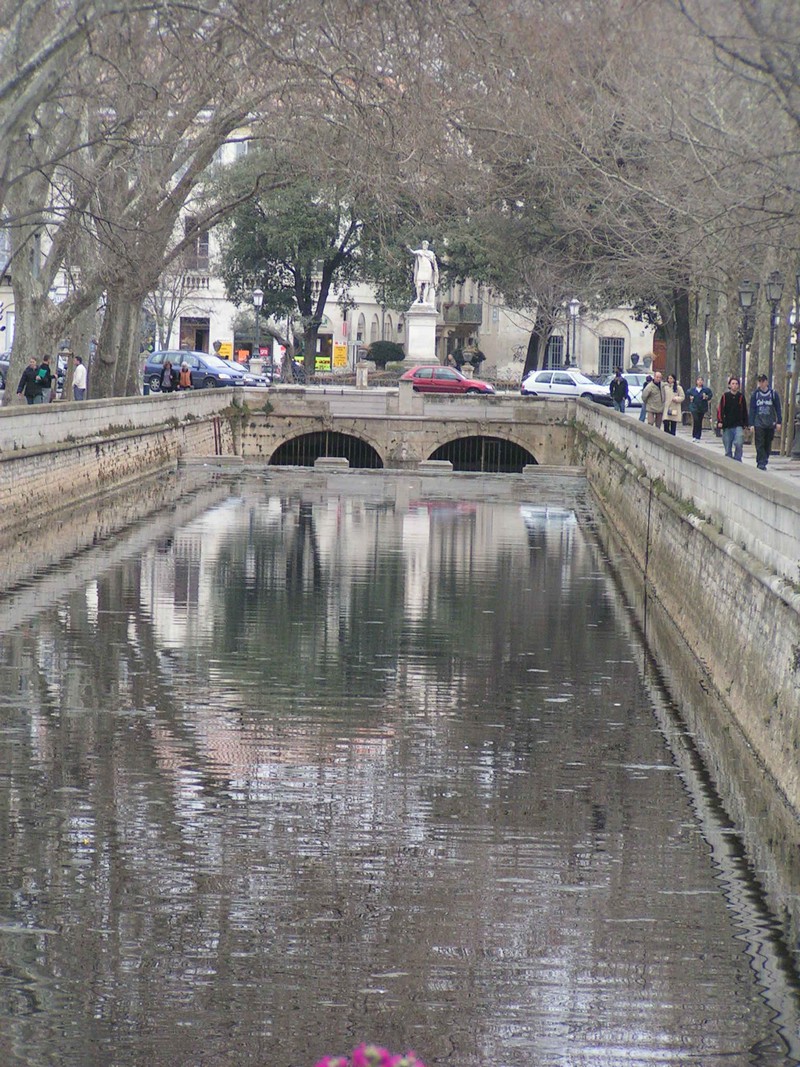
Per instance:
x=332, y=1061
x=370, y=1056
x=408, y=1060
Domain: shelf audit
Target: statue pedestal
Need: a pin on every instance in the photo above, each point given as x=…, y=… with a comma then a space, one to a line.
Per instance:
x=421, y=334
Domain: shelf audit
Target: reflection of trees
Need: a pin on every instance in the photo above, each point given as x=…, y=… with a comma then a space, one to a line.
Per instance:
x=234, y=838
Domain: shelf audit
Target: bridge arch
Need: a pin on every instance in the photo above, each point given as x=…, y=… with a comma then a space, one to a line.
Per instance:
x=490, y=455
x=303, y=449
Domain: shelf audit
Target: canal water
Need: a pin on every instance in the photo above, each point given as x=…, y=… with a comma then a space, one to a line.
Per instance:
x=293, y=764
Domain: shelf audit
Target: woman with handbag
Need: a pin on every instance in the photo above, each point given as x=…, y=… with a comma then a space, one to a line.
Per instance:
x=673, y=399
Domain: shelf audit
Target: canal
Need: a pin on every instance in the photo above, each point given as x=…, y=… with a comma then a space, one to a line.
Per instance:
x=300, y=761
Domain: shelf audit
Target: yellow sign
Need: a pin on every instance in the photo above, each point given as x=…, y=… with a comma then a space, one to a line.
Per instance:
x=339, y=354
x=322, y=362
x=226, y=349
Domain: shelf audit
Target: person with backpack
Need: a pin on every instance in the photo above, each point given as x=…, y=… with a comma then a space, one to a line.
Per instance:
x=765, y=418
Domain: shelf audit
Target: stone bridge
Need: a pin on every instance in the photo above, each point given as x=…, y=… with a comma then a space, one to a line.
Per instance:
x=399, y=429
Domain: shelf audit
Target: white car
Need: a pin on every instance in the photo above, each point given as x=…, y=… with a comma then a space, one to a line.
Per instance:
x=564, y=383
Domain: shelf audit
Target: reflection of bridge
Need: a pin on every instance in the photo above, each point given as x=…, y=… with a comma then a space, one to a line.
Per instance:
x=400, y=429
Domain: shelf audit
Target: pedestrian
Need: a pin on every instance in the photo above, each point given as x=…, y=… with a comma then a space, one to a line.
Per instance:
x=185, y=377
x=674, y=397
x=45, y=379
x=765, y=418
x=28, y=385
x=79, y=380
x=168, y=377
x=653, y=400
x=699, y=398
x=642, y=408
x=619, y=391
x=732, y=418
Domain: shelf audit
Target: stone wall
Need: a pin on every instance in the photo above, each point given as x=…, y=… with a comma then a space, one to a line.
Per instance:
x=29, y=426
x=718, y=547
x=54, y=455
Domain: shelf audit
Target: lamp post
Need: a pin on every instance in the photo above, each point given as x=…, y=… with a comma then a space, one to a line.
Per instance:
x=258, y=300
x=774, y=289
x=791, y=433
x=574, y=309
x=748, y=291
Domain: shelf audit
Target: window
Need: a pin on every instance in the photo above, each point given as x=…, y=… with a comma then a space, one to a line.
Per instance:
x=197, y=250
x=562, y=379
x=544, y=378
x=426, y=372
x=612, y=354
x=554, y=353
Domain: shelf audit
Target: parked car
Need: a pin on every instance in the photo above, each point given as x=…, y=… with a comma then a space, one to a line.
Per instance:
x=436, y=379
x=635, y=382
x=564, y=383
x=4, y=361
x=208, y=372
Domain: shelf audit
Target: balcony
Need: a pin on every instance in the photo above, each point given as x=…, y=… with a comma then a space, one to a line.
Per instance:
x=462, y=314
x=196, y=281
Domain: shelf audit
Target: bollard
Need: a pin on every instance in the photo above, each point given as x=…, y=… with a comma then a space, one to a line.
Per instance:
x=362, y=376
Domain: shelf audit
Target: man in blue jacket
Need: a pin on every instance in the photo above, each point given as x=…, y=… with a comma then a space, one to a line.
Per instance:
x=698, y=406
x=765, y=418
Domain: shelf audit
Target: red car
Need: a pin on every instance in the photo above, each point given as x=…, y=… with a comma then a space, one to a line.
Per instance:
x=436, y=379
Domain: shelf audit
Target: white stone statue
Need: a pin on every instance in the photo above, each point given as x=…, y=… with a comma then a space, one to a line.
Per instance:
x=426, y=274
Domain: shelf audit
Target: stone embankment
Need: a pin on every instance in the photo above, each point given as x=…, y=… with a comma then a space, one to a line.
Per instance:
x=54, y=455
x=718, y=546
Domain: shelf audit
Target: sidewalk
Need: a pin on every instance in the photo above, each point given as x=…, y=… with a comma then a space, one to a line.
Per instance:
x=788, y=470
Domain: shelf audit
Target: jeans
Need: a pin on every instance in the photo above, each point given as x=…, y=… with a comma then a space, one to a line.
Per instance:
x=642, y=413
x=763, y=436
x=733, y=439
x=78, y=394
x=697, y=425
x=619, y=405
x=38, y=399
x=670, y=426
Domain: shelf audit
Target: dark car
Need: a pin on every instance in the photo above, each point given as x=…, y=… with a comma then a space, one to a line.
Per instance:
x=437, y=379
x=208, y=372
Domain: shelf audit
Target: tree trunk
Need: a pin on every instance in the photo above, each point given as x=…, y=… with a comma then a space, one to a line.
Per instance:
x=537, y=342
x=310, y=349
x=115, y=370
x=675, y=317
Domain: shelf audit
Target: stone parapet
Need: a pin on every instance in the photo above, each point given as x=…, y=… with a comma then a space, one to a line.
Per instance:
x=753, y=510
x=24, y=426
x=717, y=547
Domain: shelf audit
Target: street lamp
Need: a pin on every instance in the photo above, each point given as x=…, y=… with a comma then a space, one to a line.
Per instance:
x=258, y=300
x=574, y=308
x=748, y=291
x=792, y=431
x=774, y=288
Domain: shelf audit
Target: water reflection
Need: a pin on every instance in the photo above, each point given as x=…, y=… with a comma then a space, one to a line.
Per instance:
x=304, y=767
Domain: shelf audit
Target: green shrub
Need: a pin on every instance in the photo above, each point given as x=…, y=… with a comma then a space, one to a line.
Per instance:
x=383, y=352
